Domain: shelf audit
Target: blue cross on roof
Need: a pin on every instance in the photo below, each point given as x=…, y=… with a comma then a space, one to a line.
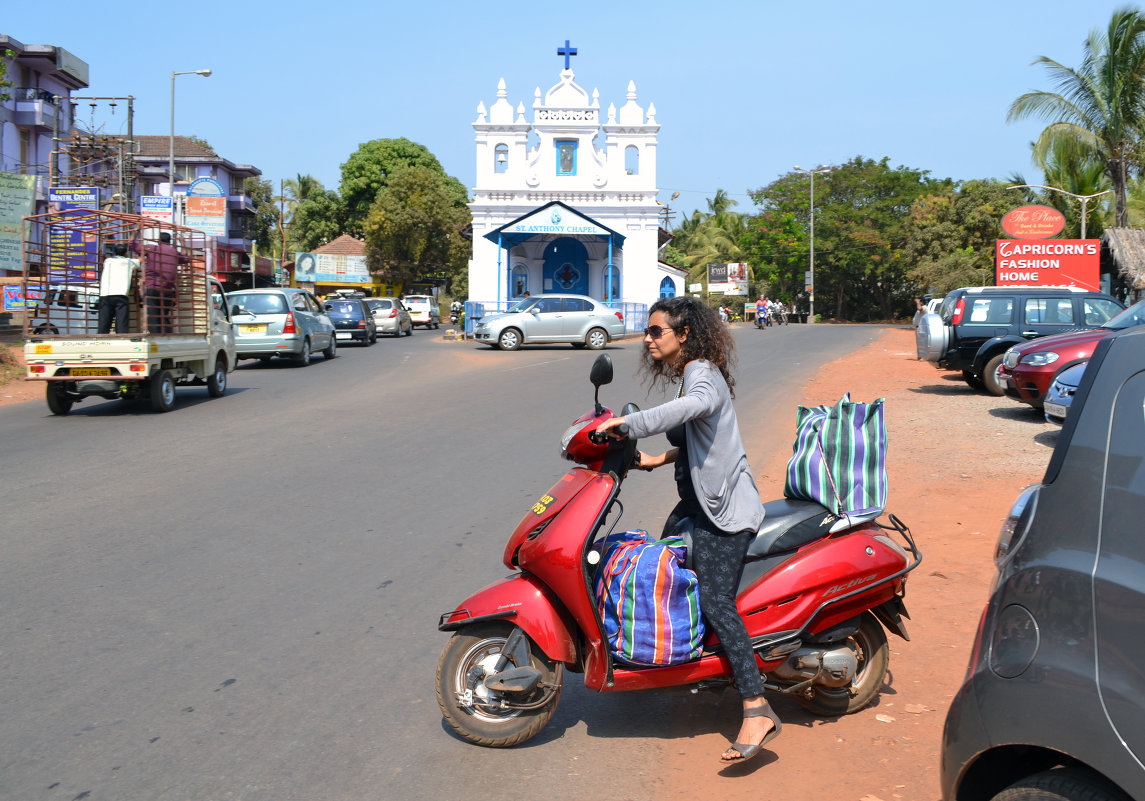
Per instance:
x=567, y=51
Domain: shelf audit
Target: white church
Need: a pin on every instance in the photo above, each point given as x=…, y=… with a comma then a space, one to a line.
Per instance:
x=566, y=203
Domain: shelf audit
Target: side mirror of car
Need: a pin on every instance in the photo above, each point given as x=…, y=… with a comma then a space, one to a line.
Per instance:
x=235, y=310
x=329, y=307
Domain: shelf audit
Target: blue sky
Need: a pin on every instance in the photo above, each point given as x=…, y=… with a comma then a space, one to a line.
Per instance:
x=743, y=90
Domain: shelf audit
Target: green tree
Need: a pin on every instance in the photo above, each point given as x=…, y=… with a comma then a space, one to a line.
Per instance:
x=317, y=219
x=952, y=234
x=1099, y=110
x=265, y=220
x=370, y=168
x=414, y=229
x=5, y=83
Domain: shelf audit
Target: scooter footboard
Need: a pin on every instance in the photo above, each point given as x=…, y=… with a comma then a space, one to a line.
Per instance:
x=525, y=602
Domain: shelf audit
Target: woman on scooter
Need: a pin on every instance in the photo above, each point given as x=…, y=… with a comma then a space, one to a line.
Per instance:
x=686, y=342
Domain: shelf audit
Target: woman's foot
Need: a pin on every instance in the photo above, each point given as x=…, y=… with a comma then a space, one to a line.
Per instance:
x=760, y=726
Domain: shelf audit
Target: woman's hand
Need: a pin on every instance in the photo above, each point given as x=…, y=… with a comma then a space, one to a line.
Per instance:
x=649, y=462
x=607, y=426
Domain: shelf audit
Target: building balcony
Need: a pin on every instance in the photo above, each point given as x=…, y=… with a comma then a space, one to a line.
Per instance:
x=35, y=108
x=240, y=203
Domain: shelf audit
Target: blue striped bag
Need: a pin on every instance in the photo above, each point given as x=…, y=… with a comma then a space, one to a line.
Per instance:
x=840, y=458
x=648, y=601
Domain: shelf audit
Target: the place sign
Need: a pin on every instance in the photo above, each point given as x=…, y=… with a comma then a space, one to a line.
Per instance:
x=1033, y=222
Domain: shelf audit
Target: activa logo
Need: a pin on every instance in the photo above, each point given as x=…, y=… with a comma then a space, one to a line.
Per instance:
x=850, y=585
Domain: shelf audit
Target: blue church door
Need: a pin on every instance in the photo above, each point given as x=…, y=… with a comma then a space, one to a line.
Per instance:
x=566, y=267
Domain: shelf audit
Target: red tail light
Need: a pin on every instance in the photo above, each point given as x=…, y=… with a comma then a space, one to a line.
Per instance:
x=288, y=326
x=393, y=313
x=361, y=323
x=958, y=309
x=619, y=316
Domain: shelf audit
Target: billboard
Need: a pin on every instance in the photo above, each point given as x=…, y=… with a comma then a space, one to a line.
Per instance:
x=1048, y=262
x=156, y=207
x=729, y=279
x=17, y=199
x=329, y=268
x=72, y=250
x=206, y=208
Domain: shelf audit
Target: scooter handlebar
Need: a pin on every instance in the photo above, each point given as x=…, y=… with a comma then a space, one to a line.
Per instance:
x=600, y=439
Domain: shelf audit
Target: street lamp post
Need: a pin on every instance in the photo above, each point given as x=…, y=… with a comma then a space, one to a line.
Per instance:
x=1083, y=198
x=171, y=143
x=820, y=170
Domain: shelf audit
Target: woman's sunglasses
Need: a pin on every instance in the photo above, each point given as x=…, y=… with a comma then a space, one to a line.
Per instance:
x=656, y=331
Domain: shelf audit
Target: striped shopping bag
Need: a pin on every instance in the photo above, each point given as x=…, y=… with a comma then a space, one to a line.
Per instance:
x=840, y=458
x=648, y=601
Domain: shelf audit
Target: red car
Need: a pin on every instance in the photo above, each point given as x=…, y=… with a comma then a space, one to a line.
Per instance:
x=1028, y=369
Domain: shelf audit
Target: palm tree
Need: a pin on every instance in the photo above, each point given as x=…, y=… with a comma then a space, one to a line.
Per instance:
x=1099, y=110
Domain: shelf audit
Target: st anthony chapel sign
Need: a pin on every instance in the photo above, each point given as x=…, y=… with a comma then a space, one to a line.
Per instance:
x=1031, y=258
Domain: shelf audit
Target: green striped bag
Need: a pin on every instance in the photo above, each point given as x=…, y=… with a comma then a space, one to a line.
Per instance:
x=840, y=458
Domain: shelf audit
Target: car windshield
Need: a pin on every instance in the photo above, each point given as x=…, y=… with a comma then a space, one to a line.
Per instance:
x=380, y=304
x=522, y=305
x=270, y=303
x=348, y=307
x=1134, y=315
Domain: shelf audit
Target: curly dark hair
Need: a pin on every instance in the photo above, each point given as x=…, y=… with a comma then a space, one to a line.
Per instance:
x=708, y=338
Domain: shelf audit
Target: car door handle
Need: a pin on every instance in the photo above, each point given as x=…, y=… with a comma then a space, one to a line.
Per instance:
x=1028, y=334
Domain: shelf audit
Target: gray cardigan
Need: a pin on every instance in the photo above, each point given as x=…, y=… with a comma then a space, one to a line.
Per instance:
x=719, y=469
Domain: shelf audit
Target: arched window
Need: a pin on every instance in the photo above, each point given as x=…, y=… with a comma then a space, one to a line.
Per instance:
x=500, y=158
x=611, y=282
x=667, y=288
x=632, y=160
x=519, y=281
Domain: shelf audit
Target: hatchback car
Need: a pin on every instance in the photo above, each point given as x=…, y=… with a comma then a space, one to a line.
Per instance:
x=287, y=322
x=578, y=320
x=423, y=310
x=390, y=316
x=1030, y=368
x=1053, y=705
x=353, y=320
x=71, y=309
x=1059, y=397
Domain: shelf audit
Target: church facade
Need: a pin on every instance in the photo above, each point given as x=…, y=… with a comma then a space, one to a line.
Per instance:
x=567, y=202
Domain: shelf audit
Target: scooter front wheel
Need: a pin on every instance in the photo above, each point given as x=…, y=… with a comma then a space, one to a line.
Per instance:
x=869, y=645
x=489, y=717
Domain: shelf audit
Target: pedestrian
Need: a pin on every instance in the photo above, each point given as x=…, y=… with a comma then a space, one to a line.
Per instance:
x=723, y=314
x=115, y=281
x=919, y=311
x=686, y=342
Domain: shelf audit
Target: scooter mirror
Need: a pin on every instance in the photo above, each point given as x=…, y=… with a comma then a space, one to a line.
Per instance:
x=601, y=372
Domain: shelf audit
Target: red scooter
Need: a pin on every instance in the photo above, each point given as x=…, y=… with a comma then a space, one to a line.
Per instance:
x=815, y=594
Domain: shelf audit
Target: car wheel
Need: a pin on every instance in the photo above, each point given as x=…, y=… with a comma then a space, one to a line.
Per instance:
x=331, y=350
x=373, y=337
x=1064, y=784
x=436, y=324
x=303, y=357
x=162, y=391
x=972, y=380
x=58, y=401
x=217, y=381
x=46, y=329
x=510, y=339
x=991, y=381
x=369, y=340
x=597, y=338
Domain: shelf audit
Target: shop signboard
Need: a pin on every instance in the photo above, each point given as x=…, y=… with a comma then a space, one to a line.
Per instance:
x=73, y=255
x=206, y=208
x=1048, y=262
x=156, y=207
x=17, y=199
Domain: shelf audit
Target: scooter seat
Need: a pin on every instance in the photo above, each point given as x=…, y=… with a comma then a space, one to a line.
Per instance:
x=789, y=524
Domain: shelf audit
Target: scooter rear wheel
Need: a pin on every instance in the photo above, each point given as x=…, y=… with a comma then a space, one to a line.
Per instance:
x=465, y=661
x=870, y=646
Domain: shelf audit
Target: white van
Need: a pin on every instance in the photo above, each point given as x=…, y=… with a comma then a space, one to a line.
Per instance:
x=71, y=309
x=423, y=310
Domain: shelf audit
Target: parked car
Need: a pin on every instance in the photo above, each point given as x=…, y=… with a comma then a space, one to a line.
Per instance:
x=1029, y=368
x=67, y=309
x=1059, y=397
x=287, y=322
x=575, y=319
x=423, y=310
x=1053, y=706
x=353, y=320
x=978, y=324
x=390, y=316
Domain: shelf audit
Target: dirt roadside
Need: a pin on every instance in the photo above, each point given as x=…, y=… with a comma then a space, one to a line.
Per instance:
x=956, y=461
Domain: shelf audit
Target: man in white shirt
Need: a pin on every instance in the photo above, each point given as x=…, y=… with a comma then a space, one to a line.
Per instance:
x=115, y=282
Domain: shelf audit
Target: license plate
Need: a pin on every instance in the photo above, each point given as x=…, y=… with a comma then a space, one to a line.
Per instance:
x=1055, y=409
x=344, y=335
x=90, y=371
x=253, y=329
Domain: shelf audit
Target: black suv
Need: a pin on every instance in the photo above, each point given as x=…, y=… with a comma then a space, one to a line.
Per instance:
x=1053, y=706
x=976, y=325
x=352, y=319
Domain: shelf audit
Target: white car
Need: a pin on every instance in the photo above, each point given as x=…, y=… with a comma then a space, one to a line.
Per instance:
x=423, y=310
x=71, y=309
x=578, y=320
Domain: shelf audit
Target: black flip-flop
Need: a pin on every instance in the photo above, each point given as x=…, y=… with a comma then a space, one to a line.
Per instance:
x=747, y=752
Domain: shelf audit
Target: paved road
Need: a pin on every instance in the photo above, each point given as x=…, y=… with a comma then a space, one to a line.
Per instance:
x=238, y=599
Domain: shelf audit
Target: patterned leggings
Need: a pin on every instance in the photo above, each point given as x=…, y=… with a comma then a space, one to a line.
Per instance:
x=717, y=557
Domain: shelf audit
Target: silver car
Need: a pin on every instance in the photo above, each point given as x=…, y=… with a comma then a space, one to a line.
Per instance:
x=286, y=322
x=578, y=320
x=390, y=316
